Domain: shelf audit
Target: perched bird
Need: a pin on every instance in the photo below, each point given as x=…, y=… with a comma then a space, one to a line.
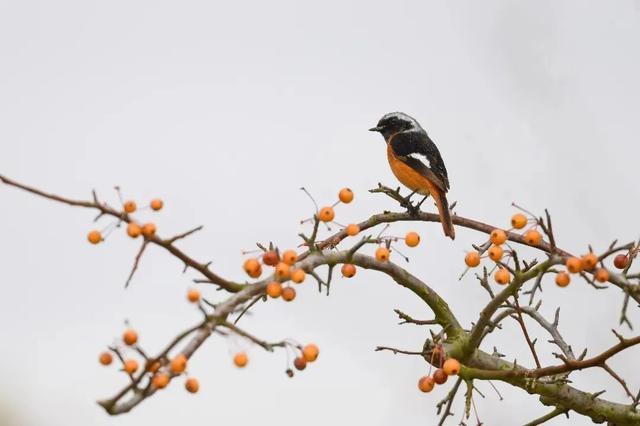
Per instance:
x=416, y=162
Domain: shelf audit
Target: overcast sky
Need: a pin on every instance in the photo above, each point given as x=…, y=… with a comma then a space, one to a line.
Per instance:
x=224, y=109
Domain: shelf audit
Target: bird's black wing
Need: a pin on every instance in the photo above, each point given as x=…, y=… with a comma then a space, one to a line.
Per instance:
x=414, y=146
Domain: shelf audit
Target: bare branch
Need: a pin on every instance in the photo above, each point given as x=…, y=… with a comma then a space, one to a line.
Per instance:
x=135, y=263
x=567, y=366
x=524, y=330
x=397, y=351
x=448, y=400
x=184, y=234
x=406, y=319
x=558, y=411
x=104, y=209
x=267, y=346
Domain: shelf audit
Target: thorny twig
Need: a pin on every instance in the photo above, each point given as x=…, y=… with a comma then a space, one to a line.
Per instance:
x=524, y=330
x=543, y=419
x=397, y=351
x=135, y=263
x=406, y=319
x=447, y=402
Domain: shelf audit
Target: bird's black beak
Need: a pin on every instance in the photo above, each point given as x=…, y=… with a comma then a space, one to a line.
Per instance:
x=376, y=129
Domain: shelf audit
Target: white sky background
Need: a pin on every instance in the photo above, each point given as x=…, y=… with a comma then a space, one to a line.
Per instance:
x=225, y=110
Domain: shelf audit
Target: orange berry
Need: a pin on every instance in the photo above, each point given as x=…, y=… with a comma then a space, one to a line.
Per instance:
x=353, y=230
x=451, y=367
x=348, y=270
x=426, y=384
x=346, y=195
x=252, y=267
x=130, y=337
x=298, y=276
x=94, y=237
x=562, y=279
x=589, y=261
x=240, y=359
x=602, y=275
x=289, y=257
x=382, y=254
x=300, y=363
x=270, y=258
x=153, y=366
x=310, y=352
x=148, y=229
x=518, y=221
x=160, y=381
x=621, y=261
x=130, y=366
x=574, y=265
x=106, y=358
x=502, y=276
x=412, y=239
x=256, y=273
x=532, y=237
x=134, y=230
x=156, y=204
x=495, y=253
x=326, y=214
x=282, y=271
x=178, y=364
x=192, y=385
x=439, y=376
x=288, y=294
x=130, y=206
x=193, y=295
x=472, y=259
x=274, y=289
x=498, y=236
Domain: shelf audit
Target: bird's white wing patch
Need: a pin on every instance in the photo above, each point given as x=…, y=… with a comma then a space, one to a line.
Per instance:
x=422, y=159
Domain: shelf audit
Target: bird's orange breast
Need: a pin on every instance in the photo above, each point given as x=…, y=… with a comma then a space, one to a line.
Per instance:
x=407, y=175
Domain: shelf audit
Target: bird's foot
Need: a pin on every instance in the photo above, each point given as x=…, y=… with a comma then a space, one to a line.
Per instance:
x=414, y=210
x=406, y=201
x=422, y=201
x=407, y=204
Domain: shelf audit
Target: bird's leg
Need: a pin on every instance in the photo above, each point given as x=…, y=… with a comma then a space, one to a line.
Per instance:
x=423, y=200
x=406, y=202
x=413, y=210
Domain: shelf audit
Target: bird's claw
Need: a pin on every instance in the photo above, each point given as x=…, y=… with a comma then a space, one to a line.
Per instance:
x=412, y=209
x=407, y=204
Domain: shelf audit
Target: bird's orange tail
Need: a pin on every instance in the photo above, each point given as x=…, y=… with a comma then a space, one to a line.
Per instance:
x=445, y=215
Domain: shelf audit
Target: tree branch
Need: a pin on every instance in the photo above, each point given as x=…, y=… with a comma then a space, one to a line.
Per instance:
x=543, y=419
x=548, y=382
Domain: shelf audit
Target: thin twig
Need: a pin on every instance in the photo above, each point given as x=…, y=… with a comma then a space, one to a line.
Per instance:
x=184, y=234
x=406, y=319
x=244, y=311
x=398, y=351
x=136, y=263
x=524, y=330
x=543, y=419
x=448, y=400
x=266, y=345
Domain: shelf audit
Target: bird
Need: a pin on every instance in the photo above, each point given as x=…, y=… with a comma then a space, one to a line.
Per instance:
x=416, y=162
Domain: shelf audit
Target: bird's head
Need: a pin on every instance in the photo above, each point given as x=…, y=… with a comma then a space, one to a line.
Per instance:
x=395, y=122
